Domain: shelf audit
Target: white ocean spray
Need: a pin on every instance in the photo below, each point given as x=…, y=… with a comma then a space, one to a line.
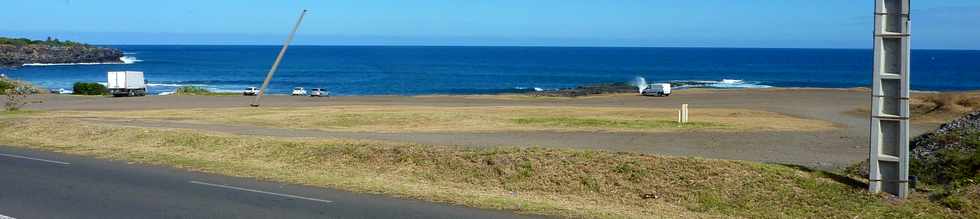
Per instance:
x=125, y=60
x=641, y=83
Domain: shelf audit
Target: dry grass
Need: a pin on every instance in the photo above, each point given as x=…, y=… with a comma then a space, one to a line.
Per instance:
x=938, y=107
x=572, y=183
x=944, y=106
x=473, y=119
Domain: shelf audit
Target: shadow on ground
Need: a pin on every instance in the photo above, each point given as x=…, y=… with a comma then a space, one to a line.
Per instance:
x=846, y=180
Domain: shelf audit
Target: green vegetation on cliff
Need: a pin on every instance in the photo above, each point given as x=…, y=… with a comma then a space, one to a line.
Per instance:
x=49, y=42
x=15, y=52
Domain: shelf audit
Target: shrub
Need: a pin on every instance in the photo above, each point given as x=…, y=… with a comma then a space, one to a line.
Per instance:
x=952, y=166
x=192, y=90
x=16, y=95
x=48, y=42
x=82, y=88
x=6, y=85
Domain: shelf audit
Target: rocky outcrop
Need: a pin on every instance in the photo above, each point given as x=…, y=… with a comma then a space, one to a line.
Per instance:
x=18, y=55
x=587, y=90
x=949, y=156
x=946, y=137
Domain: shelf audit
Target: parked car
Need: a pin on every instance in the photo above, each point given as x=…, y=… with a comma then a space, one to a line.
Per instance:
x=662, y=90
x=126, y=83
x=319, y=92
x=250, y=91
x=61, y=91
x=299, y=91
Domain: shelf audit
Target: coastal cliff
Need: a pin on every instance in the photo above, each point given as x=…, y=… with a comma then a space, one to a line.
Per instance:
x=17, y=52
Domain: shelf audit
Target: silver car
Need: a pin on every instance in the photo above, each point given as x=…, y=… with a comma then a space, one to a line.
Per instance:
x=319, y=92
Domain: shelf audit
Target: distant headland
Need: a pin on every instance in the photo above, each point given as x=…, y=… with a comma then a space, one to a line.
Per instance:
x=15, y=52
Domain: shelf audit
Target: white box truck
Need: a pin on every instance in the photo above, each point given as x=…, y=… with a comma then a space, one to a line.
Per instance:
x=126, y=83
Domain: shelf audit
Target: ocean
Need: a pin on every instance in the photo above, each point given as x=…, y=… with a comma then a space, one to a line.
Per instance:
x=419, y=70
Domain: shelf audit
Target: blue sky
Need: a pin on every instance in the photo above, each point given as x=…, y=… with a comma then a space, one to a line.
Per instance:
x=947, y=24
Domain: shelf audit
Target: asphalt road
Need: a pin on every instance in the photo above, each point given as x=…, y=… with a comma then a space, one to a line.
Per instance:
x=35, y=184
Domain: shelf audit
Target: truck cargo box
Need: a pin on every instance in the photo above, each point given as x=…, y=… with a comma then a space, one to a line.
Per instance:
x=126, y=83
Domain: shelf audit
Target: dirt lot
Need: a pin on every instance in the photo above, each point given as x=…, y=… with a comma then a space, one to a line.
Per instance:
x=843, y=144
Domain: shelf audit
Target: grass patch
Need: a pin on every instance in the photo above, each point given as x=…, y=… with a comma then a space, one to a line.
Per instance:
x=192, y=91
x=571, y=183
x=476, y=119
x=199, y=91
x=570, y=122
x=17, y=113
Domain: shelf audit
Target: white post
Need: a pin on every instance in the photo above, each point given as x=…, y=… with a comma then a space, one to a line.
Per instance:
x=680, y=116
x=889, y=148
x=684, y=113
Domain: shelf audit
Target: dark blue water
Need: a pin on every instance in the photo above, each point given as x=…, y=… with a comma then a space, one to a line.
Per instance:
x=372, y=70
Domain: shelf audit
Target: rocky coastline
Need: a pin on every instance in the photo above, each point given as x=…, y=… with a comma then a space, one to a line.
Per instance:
x=13, y=56
x=587, y=90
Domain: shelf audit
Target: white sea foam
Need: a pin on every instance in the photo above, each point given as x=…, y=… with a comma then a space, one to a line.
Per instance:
x=215, y=90
x=164, y=85
x=539, y=89
x=641, y=83
x=724, y=83
x=129, y=60
x=732, y=83
x=125, y=60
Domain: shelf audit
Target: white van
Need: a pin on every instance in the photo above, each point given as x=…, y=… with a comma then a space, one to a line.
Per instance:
x=660, y=90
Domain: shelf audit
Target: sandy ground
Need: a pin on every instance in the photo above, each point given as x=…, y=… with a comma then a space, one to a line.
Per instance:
x=824, y=149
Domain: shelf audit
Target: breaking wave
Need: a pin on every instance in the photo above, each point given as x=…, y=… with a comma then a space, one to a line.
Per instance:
x=125, y=60
x=129, y=60
x=538, y=89
x=724, y=83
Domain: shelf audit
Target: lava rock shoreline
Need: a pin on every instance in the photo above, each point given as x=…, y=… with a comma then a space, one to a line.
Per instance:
x=13, y=56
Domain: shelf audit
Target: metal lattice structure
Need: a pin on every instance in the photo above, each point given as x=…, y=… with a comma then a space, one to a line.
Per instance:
x=889, y=160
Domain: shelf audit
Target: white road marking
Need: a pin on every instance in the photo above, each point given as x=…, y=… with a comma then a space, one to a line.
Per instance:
x=260, y=192
x=6, y=217
x=34, y=159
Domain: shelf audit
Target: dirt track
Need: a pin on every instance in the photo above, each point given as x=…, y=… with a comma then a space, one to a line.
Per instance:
x=825, y=149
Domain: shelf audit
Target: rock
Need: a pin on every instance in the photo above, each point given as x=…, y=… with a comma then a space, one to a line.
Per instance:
x=649, y=196
x=610, y=88
x=18, y=55
x=925, y=146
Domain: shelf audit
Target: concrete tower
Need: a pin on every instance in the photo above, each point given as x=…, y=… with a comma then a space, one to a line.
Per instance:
x=889, y=160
